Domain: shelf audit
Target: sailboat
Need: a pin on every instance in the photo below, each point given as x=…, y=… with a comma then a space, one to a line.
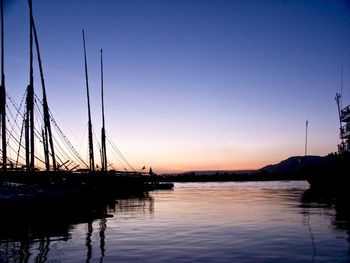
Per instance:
x=59, y=173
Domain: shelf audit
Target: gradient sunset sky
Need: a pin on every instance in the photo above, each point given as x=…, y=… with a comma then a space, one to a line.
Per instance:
x=190, y=85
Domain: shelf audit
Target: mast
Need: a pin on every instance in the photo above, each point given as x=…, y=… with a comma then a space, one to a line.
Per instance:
x=103, y=131
x=47, y=133
x=29, y=120
x=91, y=147
x=3, y=95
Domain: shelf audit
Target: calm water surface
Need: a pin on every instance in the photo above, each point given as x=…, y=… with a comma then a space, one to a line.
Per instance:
x=196, y=222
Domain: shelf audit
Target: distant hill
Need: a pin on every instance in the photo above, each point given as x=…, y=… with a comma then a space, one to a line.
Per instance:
x=288, y=169
x=292, y=164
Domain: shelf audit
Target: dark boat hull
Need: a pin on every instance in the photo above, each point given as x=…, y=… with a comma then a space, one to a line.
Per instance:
x=332, y=175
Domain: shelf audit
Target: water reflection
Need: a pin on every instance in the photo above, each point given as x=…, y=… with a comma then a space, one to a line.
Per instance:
x=332, y=205
x=213, y=222
x=136, y=205
x=328, y=203
x=28, y=232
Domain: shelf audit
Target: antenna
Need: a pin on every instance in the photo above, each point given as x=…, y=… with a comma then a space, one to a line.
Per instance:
x=341, y=86
x=338, y=100
x=306, y=128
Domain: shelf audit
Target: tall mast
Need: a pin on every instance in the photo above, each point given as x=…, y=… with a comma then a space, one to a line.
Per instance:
x=103, y=131
x=3, y=94
x=91, y=147
x=47, y=133
x=29, y=127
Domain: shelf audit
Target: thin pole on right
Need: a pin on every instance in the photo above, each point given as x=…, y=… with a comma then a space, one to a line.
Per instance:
x=307, y=124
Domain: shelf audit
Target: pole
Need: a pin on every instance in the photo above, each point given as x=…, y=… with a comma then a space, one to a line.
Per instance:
x=47, y=135
x=91, y=147
x=307, y=124
x=103, y=132
x=338, y=100
x=3, y=95
x=30, y=101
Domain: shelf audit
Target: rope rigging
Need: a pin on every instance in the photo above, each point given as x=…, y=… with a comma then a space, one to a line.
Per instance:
x=115, y=148
x=15, y=131
x=65, y=152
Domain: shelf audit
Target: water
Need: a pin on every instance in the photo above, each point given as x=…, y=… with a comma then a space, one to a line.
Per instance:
x=196, y=222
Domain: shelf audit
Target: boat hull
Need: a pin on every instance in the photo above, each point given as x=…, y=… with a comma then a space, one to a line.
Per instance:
x=332, y=175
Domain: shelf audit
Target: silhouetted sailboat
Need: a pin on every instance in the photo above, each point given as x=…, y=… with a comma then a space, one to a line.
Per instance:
x=57, y=172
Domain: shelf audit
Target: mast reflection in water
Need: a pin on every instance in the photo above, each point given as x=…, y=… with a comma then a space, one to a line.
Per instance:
x=196, y=222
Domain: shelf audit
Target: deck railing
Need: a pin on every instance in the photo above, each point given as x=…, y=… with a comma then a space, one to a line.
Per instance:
x=345, y=111
x=343, y=147
x=344, y=129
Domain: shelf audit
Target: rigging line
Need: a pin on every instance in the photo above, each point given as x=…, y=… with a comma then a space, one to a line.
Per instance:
x=115, y=148
x=36, y=157
x=97, y=142
x=12, y=137
x=14, y=103
x=57, y=155
x=83, y=139
x=64, y=139
x=16, y=140
x=109, y=164
x=11, y=160
x=67, y=141
x=52, y=113
x=74, y=153
x=14, y=118
x=62, y=152
x=11, y=148
x=18, y=109
x=67, y=153
x=12, y=128
x=118, y=151
x=19, y=147
x=60, y=163
x=118, y=160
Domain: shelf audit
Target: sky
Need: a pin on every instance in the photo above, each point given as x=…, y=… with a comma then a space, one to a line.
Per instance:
x=190, y=85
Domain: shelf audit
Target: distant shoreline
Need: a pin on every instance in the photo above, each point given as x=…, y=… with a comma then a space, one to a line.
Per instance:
x=231, y=177
x=286, y=170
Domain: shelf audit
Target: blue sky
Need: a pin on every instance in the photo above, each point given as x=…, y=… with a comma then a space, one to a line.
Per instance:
x=191, y=84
